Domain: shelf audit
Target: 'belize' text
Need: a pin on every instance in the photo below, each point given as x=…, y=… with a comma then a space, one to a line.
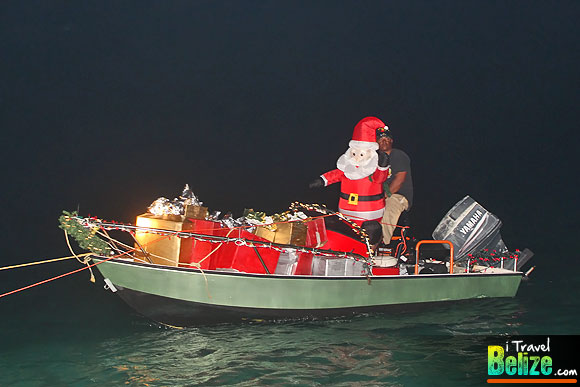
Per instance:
x=522, y=363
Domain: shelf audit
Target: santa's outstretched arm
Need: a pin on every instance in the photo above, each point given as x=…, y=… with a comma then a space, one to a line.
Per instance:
x=328, y=178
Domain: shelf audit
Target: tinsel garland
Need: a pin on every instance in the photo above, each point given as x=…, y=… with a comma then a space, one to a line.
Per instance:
x=85, y=237
x=269, y=221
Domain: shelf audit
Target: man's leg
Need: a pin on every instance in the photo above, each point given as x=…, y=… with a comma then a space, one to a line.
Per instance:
x=394, y=205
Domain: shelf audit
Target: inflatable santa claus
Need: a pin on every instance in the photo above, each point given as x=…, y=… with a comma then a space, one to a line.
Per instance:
x=361, y=170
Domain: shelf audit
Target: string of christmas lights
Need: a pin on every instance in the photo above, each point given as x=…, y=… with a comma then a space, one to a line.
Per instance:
x=361, y=232
x=491, y=258
x=94, y=223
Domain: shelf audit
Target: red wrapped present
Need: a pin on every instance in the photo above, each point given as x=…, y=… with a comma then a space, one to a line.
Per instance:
x=242, y=257
x=316, y=236
x=201, y=250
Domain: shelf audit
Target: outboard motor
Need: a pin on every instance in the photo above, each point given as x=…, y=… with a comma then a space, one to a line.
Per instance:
x=471, y=228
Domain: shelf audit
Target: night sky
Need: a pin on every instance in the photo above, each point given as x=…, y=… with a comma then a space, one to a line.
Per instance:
x=107, y=105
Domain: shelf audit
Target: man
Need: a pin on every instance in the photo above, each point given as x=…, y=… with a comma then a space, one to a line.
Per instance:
x=398, y=187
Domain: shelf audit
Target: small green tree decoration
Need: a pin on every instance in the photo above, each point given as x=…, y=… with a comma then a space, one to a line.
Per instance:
x=85, y=237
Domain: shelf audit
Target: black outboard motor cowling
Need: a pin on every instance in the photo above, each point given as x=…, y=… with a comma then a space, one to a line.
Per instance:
x=471, y=228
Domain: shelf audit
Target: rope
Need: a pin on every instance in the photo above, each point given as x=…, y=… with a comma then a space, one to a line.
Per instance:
x=59, y=276
x=90, y=266
x=77, y=256
x=198, y=264
x=83, y=261
x=42, y=262
x=194, y=264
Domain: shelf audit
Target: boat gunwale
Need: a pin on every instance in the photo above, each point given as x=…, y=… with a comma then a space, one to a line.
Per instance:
x=192, y=270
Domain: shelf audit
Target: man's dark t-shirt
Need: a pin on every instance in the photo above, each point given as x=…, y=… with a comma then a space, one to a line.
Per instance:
x=400, y=162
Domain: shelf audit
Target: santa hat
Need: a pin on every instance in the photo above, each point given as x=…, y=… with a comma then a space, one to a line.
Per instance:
x=365, y=133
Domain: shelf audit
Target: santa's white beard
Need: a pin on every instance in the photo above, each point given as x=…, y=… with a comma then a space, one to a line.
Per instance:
x=354, y=171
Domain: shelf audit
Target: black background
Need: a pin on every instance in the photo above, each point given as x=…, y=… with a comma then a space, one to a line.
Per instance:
x=106, y=106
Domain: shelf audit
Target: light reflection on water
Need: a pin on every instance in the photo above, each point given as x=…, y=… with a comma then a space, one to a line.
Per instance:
x=362, y=350
x=104, y=344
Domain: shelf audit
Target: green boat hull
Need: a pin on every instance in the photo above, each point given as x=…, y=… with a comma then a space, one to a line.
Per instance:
x=183, y=296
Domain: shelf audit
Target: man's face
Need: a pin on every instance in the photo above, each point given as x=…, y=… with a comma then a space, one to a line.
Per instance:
x=385, y=144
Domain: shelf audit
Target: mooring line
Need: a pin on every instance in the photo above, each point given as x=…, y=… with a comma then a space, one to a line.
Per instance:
x=41, y=262
x=61, y=275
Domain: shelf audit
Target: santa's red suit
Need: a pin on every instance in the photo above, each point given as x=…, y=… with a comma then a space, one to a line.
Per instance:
x=362, y=195
x=362, y=199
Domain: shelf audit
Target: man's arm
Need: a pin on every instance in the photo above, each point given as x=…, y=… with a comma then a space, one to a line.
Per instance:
x=397, y=182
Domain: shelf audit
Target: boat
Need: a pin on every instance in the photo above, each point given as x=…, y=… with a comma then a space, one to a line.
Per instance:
x=319, y=265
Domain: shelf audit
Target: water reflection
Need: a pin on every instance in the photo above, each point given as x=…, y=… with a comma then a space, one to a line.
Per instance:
x=375, y=349
x=103, y=343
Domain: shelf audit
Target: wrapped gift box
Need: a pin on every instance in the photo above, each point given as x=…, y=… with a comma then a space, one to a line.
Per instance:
x=172, y=250
x=244, y=258
x=266, y=233
x=287, y=263
x=340, y=242
x=164, y=250
x=304, y=264
x=316, y=236
x=310, y=233
x=340, y=267
x=291, y=233
x=195, y=212
x=200, y=250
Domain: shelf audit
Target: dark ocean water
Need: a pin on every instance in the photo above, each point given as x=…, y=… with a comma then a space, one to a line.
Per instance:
x=73, y=332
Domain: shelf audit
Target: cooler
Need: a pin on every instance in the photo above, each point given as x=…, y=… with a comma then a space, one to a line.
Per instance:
x=385, y=270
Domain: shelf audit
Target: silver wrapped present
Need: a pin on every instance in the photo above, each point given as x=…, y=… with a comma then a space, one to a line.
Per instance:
x=338, y=267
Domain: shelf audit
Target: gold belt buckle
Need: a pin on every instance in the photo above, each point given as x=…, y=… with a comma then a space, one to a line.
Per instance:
x=353, y=199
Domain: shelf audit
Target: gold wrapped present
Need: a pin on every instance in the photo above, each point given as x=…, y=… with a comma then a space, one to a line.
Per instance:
x=160, y=249
x=291, y=233
x=195, y=212
x=266, y=233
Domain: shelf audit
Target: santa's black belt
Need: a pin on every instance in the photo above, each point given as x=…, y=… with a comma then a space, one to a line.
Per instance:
x=354, y=198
